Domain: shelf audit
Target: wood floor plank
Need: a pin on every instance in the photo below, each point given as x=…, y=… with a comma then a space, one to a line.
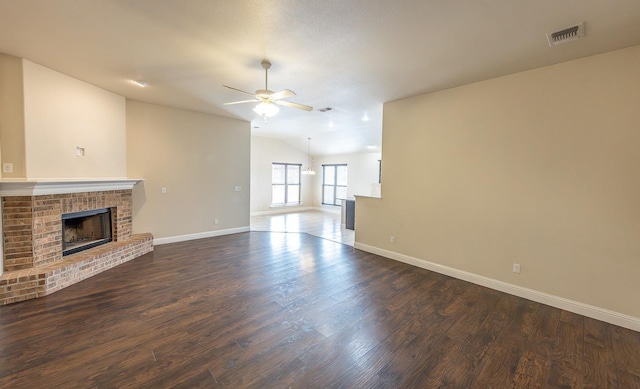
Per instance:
x=600, y=368
x=535, y=362
x=626, y=349
x=286, y=310
x=505, y=354
x=567, y=363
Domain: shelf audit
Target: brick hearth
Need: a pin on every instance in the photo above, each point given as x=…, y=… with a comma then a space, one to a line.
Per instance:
x=32, y=237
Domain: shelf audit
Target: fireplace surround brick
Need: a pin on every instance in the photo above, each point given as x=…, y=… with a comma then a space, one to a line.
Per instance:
x=32, y=237
x=27, y=284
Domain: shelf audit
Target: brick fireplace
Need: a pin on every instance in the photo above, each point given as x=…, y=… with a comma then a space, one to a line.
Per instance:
x=33, y=264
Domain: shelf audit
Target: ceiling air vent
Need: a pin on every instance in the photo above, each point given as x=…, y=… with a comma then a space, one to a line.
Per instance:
x=566, y=35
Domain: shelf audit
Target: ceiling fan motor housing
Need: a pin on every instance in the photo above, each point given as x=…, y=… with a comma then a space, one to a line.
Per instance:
x=263, y=93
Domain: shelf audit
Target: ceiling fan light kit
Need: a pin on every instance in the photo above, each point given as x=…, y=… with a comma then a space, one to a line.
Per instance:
x=268, y=99
x=266, y=109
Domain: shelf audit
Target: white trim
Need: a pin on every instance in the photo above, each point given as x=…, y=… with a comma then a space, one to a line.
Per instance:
x=594, y=312
x=63, y=186
x=279, y=210
x=368, y=197
x=199, y=235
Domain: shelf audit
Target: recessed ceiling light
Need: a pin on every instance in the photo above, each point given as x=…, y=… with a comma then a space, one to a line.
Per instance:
x=140, y=83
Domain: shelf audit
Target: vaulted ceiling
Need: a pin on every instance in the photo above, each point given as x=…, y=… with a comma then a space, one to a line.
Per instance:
x=351, y=55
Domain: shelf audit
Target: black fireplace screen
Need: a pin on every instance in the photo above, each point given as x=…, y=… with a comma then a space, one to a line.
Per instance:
x=86, y=229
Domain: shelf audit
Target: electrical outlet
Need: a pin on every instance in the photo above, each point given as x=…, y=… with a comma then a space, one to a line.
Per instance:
x=237, y=188
x=7, y=167
x=392, y=239
x=164, y=189
x=516, y=268
x=216, y=221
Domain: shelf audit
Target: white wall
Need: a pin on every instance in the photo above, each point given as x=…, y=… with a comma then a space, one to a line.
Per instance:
x=264, y=152
x=199, y=159
x=538, y=168
x=362, y=174
x=62, y=113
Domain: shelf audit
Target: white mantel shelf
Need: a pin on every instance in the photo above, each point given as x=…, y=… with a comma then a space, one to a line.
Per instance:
x=48, y=187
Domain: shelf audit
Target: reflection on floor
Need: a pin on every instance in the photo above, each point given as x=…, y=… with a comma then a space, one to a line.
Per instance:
x=322, y=224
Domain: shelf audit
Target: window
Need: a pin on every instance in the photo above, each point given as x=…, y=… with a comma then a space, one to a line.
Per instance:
x=334, y=184
x=285, y=184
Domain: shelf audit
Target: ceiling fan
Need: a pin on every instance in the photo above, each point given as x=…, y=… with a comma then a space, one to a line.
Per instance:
x=268, y=99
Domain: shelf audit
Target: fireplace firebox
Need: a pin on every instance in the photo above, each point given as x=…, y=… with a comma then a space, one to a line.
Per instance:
x=86, y=229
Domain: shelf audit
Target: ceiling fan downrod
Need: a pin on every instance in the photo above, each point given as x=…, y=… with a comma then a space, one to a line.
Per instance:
x=266, y=65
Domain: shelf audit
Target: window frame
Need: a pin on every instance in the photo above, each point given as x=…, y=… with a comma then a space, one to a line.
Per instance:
x=286, y=184
x=335, y=182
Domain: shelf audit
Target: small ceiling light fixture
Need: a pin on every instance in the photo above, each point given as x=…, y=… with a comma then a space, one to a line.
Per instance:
x=308, y=170
x=266, y=109
x=142, y=84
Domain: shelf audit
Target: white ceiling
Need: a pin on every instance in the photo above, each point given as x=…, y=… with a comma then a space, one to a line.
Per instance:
x=352, y=55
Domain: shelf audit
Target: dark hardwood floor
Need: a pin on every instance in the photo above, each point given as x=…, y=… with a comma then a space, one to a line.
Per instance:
x=287, y=310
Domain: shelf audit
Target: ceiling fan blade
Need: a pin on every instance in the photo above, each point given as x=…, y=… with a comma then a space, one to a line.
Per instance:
x=294, y=105
x=283, y=94
x=239, y=90
x=241, y=101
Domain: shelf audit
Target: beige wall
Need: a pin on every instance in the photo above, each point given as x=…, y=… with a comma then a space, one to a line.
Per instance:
x=199, y=158
x=62, y=113
x=12, y=116
x=539, y=168
x=264, y=152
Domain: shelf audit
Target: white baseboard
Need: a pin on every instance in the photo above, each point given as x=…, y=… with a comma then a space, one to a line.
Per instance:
x=277, y=211
x=616, y=318
x=329, y=208
x=199, y=235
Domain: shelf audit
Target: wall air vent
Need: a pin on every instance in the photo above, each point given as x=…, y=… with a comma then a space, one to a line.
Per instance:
x=566, y=35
